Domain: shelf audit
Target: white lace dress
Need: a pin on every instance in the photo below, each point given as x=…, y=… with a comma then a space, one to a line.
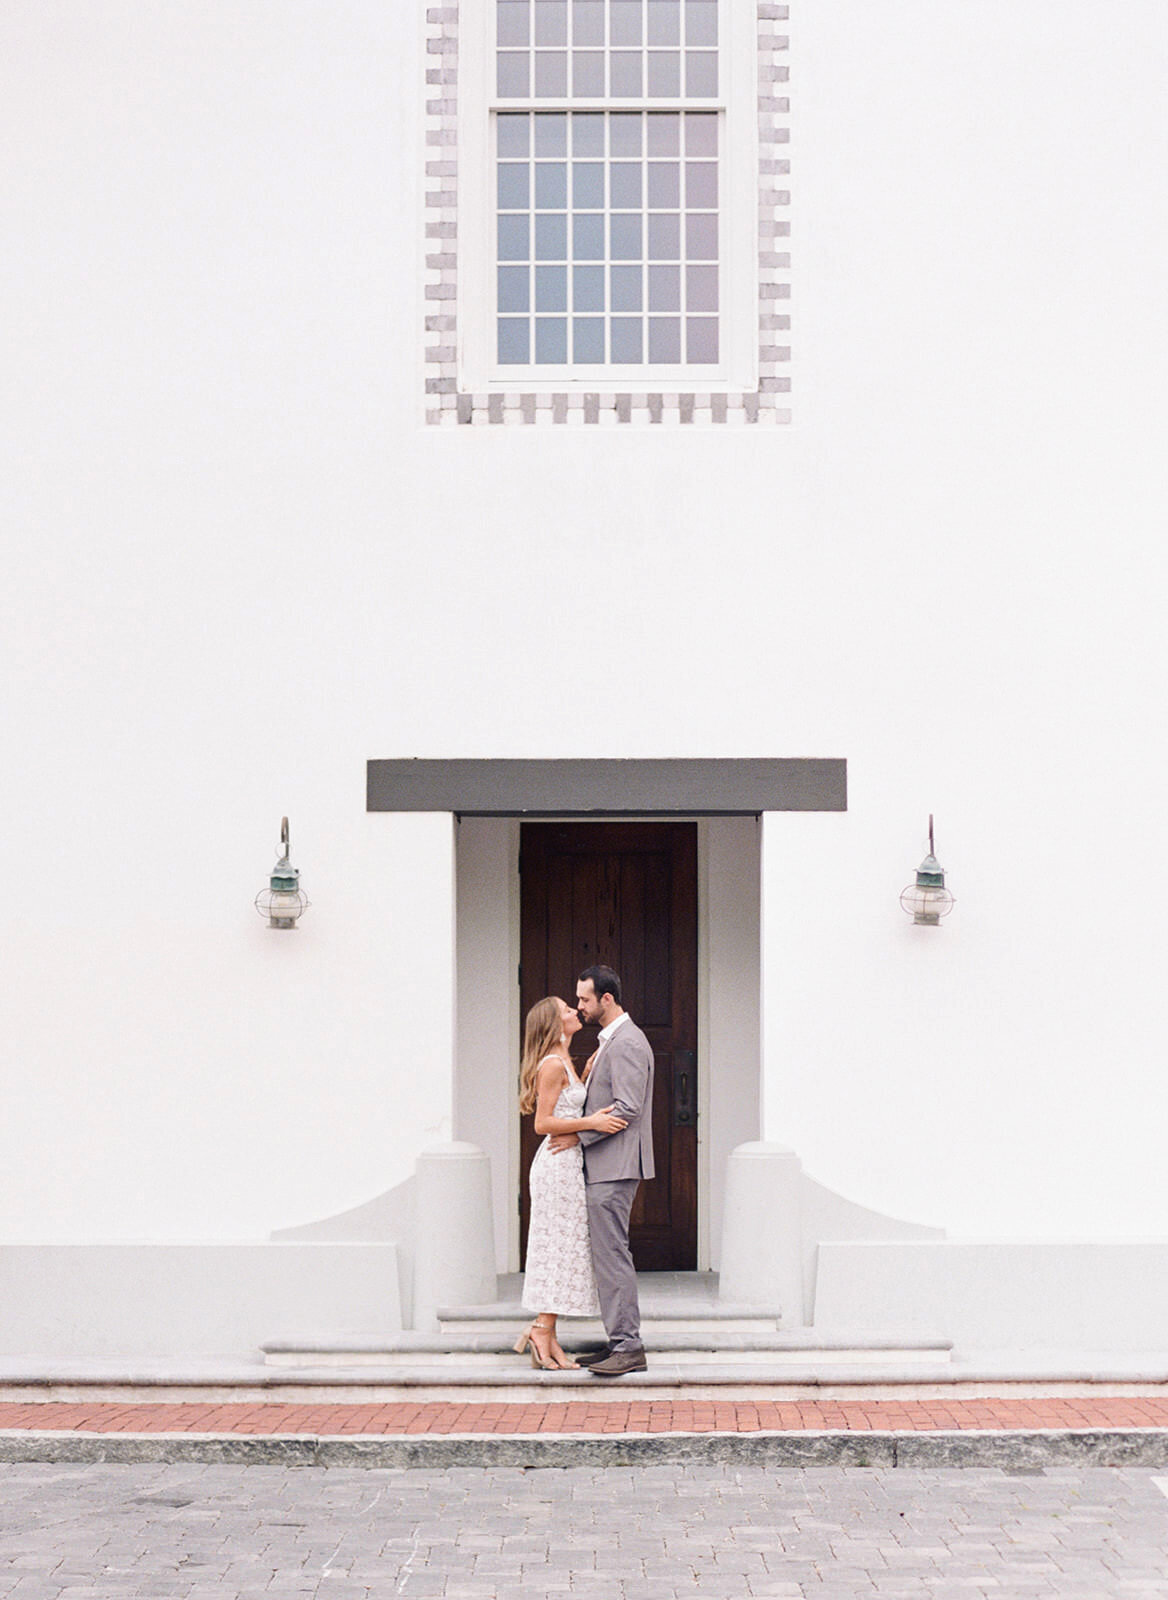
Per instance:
x=559, y=1275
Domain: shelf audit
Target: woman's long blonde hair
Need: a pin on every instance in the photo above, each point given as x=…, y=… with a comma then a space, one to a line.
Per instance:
x=543, y=1035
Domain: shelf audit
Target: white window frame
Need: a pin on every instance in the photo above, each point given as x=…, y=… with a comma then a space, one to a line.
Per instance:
x=738, y=368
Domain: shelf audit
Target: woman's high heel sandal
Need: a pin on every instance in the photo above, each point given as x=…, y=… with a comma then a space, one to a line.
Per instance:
x=525, y=1342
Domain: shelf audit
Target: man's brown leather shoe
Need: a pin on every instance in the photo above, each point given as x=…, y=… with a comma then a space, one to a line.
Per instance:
x=587, y=1357
x=618, y=1363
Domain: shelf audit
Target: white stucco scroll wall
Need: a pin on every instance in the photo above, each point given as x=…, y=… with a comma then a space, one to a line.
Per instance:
x=239, y=566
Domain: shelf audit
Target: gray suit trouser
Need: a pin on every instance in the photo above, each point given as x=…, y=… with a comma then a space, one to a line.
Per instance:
x=609, y=1206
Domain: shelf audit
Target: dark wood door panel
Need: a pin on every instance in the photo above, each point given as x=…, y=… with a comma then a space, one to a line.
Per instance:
x=624, y=894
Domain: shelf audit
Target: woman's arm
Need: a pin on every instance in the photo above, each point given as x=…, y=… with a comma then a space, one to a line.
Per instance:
x=548, y=1086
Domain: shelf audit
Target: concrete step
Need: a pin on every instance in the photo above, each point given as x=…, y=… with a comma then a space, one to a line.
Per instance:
x=502, y=1319
x=693, y=1337
x=478, y=1352
x=671, y=1302
x=1019, y=1375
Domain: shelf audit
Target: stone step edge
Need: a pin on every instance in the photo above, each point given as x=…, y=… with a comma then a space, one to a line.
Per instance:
x=593, y=1332
x=29, y=1379
x=460, y=1364
x=695, y=1309
x=672, y=1378
x=305, y=1392
x=1018, y=1448
x=809, y=1340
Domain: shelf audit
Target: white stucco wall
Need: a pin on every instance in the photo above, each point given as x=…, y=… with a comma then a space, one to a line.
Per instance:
x=730, y=1053
x=237, y=567
x=487, y=1067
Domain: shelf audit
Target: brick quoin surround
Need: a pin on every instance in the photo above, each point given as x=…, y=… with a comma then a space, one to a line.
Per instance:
x=444, y=403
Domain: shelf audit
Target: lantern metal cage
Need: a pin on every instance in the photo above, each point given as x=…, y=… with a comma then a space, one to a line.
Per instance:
x=927, y=900
x=283, y=901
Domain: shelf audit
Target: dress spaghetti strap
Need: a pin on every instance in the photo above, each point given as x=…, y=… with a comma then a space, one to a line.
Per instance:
x=570, y=1071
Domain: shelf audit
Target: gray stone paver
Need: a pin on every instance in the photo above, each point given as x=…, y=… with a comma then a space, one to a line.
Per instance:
x=193, y=1532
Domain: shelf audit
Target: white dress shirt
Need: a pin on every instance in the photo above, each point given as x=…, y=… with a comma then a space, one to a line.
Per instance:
x=606, y=1033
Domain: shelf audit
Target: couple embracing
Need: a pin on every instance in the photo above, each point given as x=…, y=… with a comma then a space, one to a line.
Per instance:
x=585, y=1175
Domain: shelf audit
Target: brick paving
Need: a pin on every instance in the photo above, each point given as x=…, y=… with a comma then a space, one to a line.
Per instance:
x=225, y=1532
x=609, y=1416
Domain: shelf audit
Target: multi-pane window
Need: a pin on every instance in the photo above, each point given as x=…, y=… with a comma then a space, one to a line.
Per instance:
x=623, y=49
x=609, y=221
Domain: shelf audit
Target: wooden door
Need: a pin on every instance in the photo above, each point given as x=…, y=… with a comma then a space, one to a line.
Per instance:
x=625, y=894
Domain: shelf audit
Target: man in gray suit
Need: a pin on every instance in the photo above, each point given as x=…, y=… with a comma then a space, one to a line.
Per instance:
x=614, y=1164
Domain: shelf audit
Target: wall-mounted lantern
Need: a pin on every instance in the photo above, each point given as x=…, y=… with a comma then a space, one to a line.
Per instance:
x=927, y=900
x=284, y=900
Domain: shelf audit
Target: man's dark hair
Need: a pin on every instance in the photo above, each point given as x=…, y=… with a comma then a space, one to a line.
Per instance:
x=604, y=981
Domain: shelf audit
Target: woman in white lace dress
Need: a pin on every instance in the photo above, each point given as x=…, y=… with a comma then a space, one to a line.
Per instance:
x=559, y=1279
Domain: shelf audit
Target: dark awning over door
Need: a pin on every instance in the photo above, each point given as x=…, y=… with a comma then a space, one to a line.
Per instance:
x=704, y=787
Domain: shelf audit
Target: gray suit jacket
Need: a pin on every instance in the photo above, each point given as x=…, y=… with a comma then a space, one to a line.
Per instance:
x=622, y=1077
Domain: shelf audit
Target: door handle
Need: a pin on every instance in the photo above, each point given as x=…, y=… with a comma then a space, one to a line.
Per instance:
x=685, y=1112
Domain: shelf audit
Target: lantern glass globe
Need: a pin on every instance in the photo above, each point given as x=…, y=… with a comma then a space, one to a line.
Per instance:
x=285, y=906
x=281, y=908
x=926, y=904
